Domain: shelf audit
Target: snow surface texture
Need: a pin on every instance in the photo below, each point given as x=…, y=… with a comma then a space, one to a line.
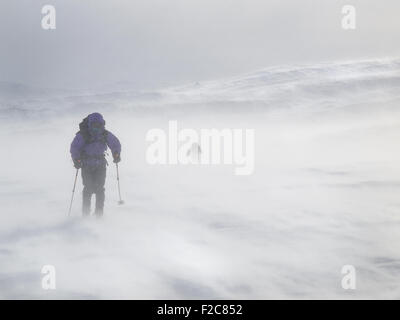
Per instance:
x=325, y=191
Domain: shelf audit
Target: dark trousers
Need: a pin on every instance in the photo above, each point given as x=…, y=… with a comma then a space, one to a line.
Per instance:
x=93, y=183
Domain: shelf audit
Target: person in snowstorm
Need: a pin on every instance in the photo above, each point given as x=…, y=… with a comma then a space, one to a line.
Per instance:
x=88, y=152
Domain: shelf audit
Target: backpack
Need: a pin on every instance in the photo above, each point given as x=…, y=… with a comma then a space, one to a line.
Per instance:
x=84, y=131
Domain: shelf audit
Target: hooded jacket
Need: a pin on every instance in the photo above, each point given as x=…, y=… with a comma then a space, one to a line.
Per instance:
x=90, y=145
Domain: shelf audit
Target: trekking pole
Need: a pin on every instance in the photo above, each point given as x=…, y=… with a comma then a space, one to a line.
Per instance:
x=119, y=189
x=73, y=192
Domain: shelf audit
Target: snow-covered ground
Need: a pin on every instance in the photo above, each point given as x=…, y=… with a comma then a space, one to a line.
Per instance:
x=324, y=193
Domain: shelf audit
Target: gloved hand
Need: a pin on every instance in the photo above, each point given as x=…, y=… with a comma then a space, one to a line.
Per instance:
x=77, y=163
x=117, y=157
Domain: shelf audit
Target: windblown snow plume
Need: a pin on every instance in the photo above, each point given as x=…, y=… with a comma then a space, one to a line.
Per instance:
x=324, y=193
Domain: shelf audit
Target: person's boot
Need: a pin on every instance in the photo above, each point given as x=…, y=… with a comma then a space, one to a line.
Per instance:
x=86, y=199
x=99, y=203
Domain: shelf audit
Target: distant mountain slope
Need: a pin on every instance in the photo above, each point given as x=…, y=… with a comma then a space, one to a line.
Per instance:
x=297, y=86
x=321, y=86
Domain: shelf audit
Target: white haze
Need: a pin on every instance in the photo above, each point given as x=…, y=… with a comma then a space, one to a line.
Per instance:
x=153, y=43
x=325, y=192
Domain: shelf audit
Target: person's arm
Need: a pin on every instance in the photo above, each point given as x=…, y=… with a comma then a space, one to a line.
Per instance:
x=115, y=146
x=76, y=149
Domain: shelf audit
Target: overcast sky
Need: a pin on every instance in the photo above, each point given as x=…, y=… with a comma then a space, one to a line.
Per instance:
x=150, y=43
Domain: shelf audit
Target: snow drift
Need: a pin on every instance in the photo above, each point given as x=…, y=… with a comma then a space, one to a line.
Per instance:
x=324, y=193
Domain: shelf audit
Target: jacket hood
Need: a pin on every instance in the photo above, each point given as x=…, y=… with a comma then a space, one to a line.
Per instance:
x=95, y=117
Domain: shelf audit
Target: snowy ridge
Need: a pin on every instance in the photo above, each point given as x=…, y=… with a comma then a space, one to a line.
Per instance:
x=294, y=86
x=316, y=87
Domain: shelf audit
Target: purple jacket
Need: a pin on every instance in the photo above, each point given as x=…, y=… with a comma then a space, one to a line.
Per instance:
x=89, y=145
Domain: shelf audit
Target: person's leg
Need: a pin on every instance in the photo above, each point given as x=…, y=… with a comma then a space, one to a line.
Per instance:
x=86, y=200
x=87, y=180
x=100, y=191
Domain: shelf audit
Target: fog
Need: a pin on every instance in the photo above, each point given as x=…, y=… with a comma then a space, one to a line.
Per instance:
x=322, y=102
x=324, y=192
x=106, y=45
